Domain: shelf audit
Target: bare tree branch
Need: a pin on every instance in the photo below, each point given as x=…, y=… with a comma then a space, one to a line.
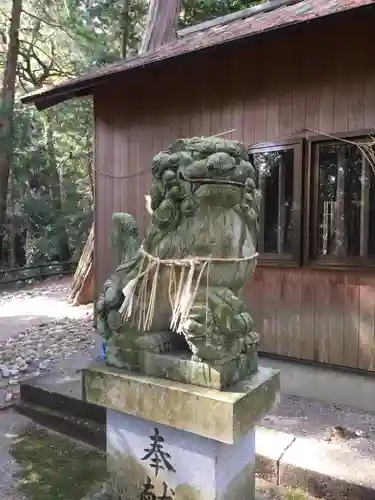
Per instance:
x=49, y=23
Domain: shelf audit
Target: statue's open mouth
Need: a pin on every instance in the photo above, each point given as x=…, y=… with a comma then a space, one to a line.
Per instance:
x=217, y=182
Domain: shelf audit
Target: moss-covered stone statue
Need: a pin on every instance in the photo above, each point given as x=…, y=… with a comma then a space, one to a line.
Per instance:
x=180, y=289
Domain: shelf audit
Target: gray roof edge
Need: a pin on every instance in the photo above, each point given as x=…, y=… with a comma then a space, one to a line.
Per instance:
x=241, y=14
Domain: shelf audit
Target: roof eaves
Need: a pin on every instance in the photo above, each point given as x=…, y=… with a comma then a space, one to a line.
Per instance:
x=84, y=86
x=44, y=99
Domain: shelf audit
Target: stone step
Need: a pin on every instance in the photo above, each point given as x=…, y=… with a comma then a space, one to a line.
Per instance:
x=63, y=395
x=57, y=403
x=323, y=469
x=327, y=384
x=83, y=430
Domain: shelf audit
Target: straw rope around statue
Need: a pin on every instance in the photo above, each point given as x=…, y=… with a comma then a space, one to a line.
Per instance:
x=181, y=294
x=203, y=195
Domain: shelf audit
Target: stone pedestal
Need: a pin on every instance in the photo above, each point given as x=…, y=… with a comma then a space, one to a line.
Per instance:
x=170, y=440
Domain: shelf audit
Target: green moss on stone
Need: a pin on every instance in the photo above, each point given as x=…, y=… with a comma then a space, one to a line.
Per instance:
x=54, y=467
x=221, y=415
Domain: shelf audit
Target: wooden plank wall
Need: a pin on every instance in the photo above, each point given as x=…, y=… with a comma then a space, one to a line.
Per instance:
x=324, y=316
x=266, y=88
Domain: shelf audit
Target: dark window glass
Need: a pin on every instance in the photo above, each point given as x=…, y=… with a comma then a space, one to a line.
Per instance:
x=346, y=202
x=275, y=180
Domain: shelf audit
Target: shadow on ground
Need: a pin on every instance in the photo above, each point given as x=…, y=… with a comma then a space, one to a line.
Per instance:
x=53, y=467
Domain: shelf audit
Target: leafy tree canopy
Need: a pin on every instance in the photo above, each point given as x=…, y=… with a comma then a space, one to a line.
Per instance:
x=49, y=207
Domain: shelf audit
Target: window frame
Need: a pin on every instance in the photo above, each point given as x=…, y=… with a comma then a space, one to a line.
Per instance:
x=311, y=208
x=293, y=259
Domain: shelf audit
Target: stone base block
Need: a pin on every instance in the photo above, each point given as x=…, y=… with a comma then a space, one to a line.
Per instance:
x=180, y=368
x=225, y=416
x=149, y=461
x=159, y=354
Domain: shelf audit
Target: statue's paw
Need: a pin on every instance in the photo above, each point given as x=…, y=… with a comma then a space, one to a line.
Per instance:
x=208, y=351
x=192, y=328
x=199, y=323
x=251, y=339
x=100, y=305
x=157, y=342
x=242, y=322
x=201, y=314
x=230, y=299
x=112, y=294
x=102, y=327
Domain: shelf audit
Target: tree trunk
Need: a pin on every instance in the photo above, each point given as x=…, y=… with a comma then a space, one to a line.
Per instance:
x=63, y=249
x=6, y=111
x=125, y=29
x=161, y=28
x=161, y=24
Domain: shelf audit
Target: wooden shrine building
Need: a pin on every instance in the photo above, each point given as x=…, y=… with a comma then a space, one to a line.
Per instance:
x=295, y=81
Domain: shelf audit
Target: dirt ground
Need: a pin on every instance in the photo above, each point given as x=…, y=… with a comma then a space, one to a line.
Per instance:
x=36, y=304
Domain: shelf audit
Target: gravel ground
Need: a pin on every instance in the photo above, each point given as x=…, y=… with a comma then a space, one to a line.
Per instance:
x=41, y=332
x=11, y=424
x=34, y=304
x=41, y=349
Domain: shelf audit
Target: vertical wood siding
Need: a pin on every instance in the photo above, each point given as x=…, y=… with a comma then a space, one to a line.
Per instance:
x=325, y=316
x=266, y=89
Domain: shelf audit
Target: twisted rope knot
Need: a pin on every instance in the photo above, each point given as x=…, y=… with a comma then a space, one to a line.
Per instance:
x=181, y=295
x=188, y=261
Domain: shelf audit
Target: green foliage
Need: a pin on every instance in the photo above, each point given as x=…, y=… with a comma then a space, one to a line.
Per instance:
x=50, y=189
x=31, y=196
